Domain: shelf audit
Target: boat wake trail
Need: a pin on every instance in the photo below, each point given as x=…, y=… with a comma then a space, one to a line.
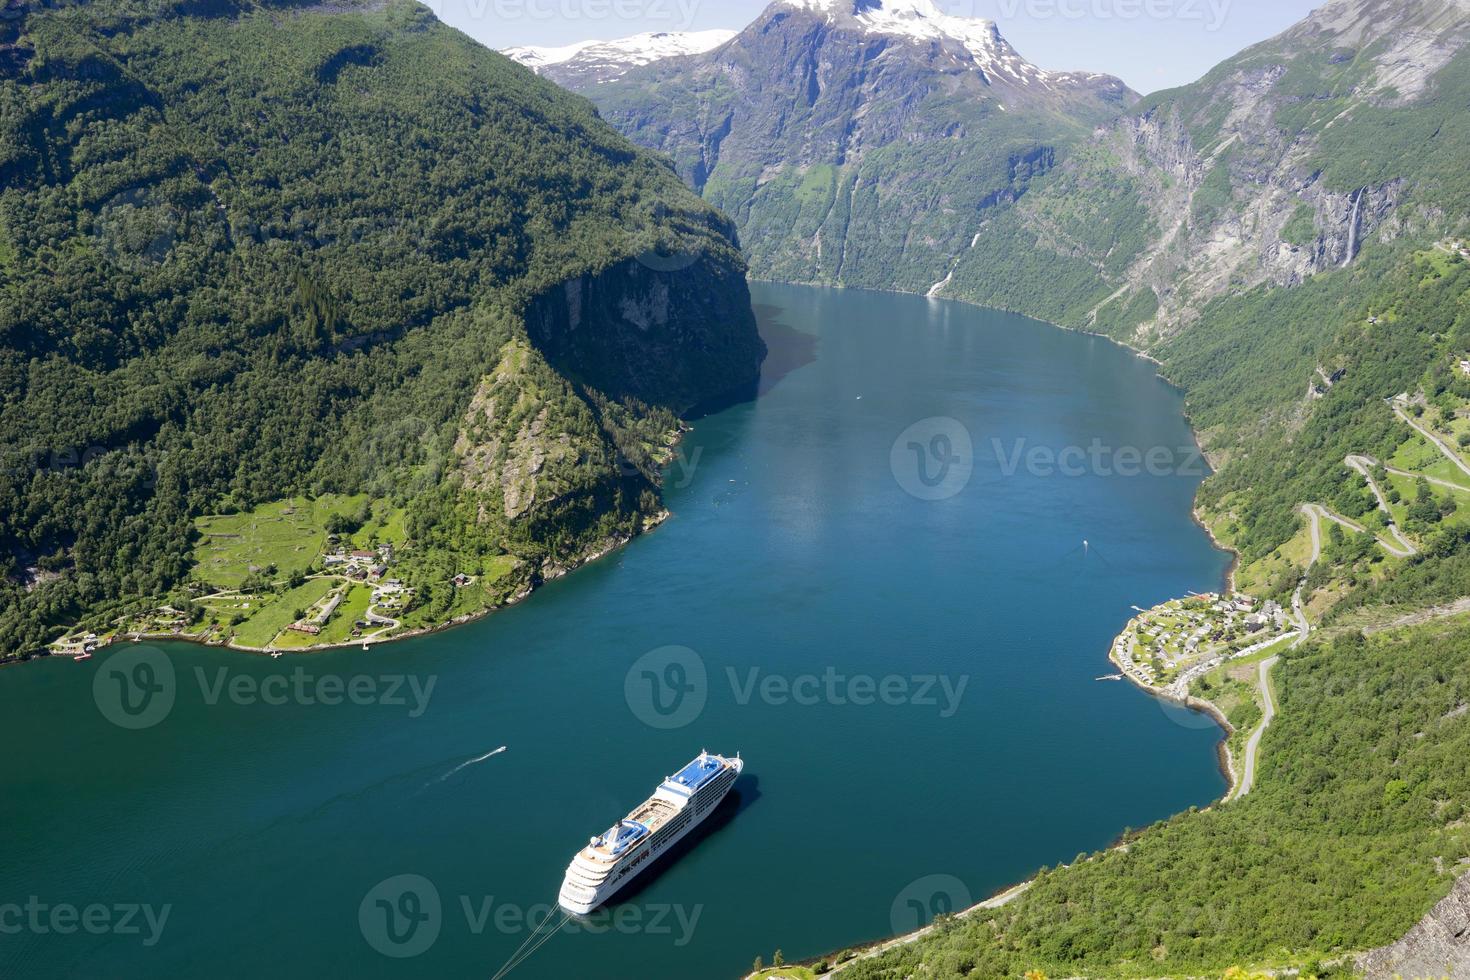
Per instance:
x=465, y=765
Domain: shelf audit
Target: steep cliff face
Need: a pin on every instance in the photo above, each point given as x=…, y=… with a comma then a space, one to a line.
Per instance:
x=859, y=143
x=1282, y=163
x=1437, y=947
x=559, y=453
x=669, y=330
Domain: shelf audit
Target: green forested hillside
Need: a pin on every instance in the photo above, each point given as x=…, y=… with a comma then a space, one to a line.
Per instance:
x=249, y=250
x=1355, y=829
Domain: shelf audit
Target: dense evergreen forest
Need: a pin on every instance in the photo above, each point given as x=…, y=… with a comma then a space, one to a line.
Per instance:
x=1356, y=828
x=249, y=250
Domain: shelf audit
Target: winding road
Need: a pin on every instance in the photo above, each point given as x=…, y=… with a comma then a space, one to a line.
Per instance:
x=1401, y=547
x=1253, y=747
x=1298, y=607
x=1314, y=515
x=1433, y=480
x=1413, y=423
x=1363, y=466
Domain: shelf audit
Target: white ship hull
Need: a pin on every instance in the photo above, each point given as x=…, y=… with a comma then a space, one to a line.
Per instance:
x=680, y=804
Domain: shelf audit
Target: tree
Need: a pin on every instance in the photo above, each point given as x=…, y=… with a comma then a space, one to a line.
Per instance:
x=778, y=960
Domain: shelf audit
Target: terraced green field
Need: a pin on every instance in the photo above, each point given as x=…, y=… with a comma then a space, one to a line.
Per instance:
x=288, y=534
x=263, y=625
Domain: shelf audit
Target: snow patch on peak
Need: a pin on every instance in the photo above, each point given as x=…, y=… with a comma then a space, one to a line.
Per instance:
x=921, y=20
x=533, y=57
x=628, y=52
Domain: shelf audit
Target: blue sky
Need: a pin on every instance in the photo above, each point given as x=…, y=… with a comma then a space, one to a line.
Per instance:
x=1150, y=44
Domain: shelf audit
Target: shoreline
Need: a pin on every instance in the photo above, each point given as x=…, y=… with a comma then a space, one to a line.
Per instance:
x=1234, y=566
x=605, y=548
x=1223, y=757
x=1199, y=706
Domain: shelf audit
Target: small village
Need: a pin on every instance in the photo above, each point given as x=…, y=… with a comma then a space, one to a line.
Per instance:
x=1167, y=647
x=352, y=599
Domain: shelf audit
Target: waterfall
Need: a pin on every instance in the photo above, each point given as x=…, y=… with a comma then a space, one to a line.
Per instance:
x=1352, y=249
x=938, y=287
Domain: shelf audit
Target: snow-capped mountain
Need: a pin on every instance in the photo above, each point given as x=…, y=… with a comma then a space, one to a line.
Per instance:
x=859, y=141
x=589, y=62
x=969, y=40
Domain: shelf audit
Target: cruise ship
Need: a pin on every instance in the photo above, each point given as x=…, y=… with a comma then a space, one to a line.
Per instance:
x=615, y=858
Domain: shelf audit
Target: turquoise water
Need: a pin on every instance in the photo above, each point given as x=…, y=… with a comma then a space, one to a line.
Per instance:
x=910, y=681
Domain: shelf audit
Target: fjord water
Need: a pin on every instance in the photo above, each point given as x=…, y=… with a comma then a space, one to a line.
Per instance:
x=794, y=551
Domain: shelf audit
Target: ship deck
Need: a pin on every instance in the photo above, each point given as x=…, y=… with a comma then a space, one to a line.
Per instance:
x=651, y=814
x=697, y=773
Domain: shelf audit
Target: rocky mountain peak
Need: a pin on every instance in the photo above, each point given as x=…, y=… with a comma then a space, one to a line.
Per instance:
x=1406, y=41
x=971, y=41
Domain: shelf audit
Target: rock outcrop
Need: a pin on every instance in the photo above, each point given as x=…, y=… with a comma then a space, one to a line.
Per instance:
x=1437, y=947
